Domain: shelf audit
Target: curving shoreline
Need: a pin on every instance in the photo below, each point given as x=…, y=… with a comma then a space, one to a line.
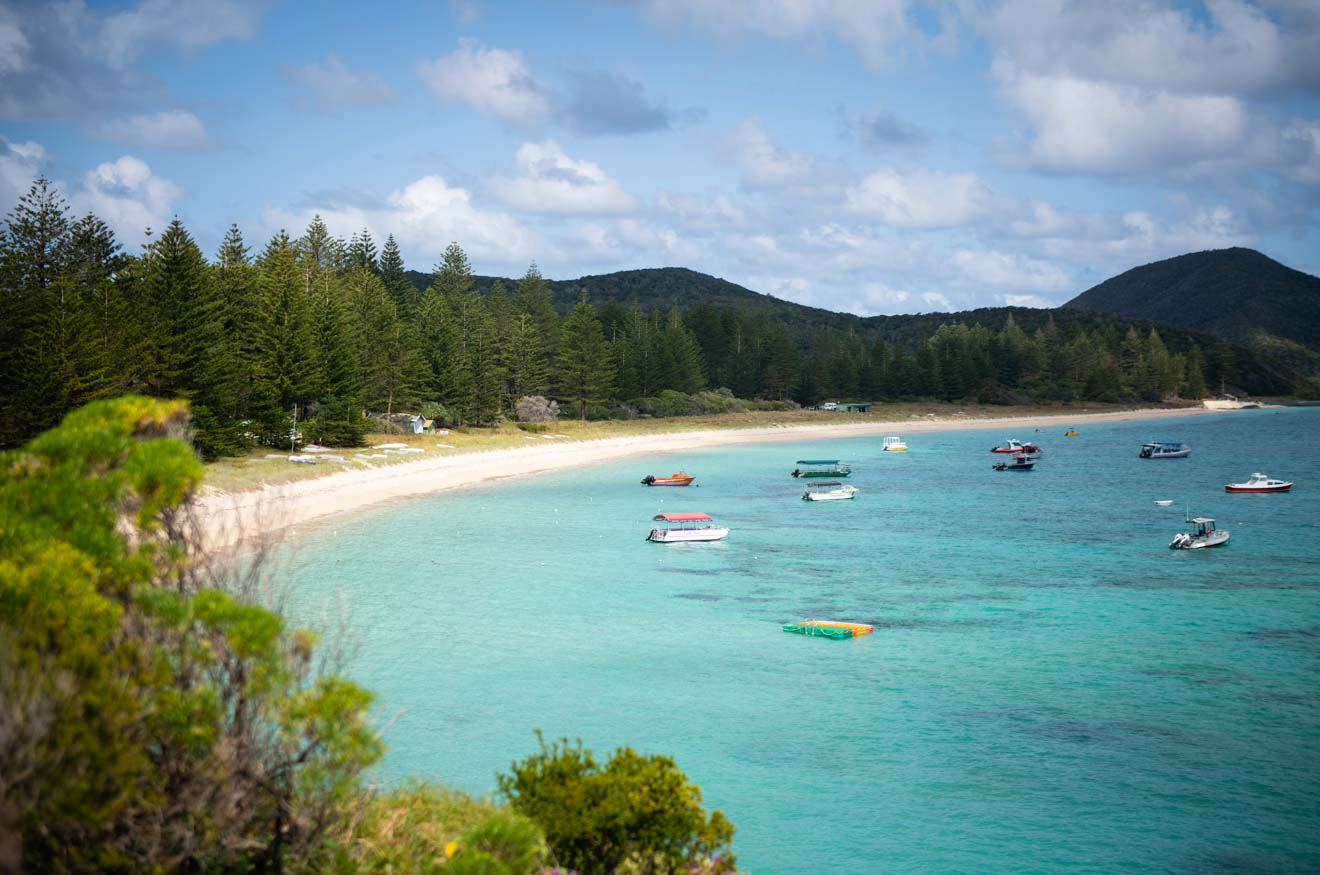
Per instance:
x=229, y=519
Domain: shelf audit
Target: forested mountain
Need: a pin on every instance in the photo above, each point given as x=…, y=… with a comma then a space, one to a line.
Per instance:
x=1234, y=294
x=323, y=329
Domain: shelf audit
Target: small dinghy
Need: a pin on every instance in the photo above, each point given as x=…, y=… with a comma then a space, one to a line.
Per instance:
x=1164, y=502
x=1204, y=535
x=1165, y=450
x=1259, y=483
x=678, y=478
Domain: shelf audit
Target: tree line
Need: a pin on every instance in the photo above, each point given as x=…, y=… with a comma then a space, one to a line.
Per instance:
x=322, y=329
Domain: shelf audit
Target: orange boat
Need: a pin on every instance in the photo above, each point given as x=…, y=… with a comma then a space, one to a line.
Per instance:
x=676, y=479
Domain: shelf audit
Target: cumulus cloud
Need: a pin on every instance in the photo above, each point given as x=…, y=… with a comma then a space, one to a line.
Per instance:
x=1234, y=48
x=878, y=30
x=701, y=214
x=1009, y=272
x=425, y=216
x=68, y=59
x=332, y=85
x=763, y=164
x=598, y=103
x=920, y=198
x=20, y=164
x=882, y=130
x=1089, y=126
x=127, y=196
x=182, y=24
x=171, y=129
x=548, y=181
x=493, y=81
x=1300, y=149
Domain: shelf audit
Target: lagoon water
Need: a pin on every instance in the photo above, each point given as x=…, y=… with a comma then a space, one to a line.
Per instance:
x=1049, y=688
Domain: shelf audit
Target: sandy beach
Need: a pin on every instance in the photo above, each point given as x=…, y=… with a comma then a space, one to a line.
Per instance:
x=230, y=518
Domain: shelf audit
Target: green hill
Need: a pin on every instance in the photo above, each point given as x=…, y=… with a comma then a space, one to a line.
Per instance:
x=1238, y=295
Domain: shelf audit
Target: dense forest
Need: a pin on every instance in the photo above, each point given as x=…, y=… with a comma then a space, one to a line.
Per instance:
x=325, y=329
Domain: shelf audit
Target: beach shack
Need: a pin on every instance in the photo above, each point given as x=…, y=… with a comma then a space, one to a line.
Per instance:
x=855, y=407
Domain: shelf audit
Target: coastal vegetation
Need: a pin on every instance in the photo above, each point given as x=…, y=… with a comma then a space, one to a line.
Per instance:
x=158, y=714
x=296, y=341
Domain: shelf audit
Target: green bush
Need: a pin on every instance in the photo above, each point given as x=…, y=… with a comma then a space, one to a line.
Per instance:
x=636, y=810
x=533, y=427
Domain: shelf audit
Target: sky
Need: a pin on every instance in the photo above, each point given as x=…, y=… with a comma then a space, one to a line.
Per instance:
x=868, y=156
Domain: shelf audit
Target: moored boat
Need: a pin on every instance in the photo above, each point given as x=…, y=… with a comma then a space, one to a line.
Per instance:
x=828, y=490
x=1258, y=482
x=1015, y=446
x=1019, y=462
x=821, y=468
x=1072, y=432
x=685, y=527
x=678, y=478
x=1165, y=450
x=1204, y=535
x=894, y=444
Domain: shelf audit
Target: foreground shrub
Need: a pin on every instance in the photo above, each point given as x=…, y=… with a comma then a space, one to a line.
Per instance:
x=636, y=810
x=152, y=718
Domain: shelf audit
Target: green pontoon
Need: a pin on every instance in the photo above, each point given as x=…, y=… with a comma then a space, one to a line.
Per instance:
x=818, y=631
x=821, y=468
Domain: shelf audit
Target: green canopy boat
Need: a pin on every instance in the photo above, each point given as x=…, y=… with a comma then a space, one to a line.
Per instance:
x=821, y=468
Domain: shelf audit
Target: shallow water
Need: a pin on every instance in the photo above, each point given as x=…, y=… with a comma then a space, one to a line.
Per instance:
x=1048, y=688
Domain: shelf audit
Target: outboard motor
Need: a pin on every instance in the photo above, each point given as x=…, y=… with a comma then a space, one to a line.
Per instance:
x=648, y=479
x=1180, y=541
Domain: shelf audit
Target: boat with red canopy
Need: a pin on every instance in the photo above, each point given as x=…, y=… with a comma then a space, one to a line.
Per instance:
x=1016, y=446
x=685, y=527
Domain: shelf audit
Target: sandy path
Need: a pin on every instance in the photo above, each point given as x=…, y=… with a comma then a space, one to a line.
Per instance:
x=230, y=518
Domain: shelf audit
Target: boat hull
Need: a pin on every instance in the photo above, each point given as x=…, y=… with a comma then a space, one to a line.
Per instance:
x=674, y=536
x=829, y=496
x=665, y=481
x=829, y=474
x=1218, y=539
x=1232, y=487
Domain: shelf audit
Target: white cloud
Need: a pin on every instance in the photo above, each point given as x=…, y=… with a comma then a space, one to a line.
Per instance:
x=1301, y=150
x=1234, y=48
x=1027, y=301
x=549, y=181
x=1090, y=126
x=936, y=301
x=702, y=214
x=494, y=81
x=1009, y=272
x=184, y=24
x=877, y=30
x=332, y=84
x=425, y=216
x=763, y=164
x=172, y=129
x=20, y=164
x=14, y=46
x=127, y=196
x=920, y=198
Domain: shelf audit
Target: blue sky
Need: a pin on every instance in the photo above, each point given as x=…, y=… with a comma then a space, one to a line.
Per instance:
x=876, y=157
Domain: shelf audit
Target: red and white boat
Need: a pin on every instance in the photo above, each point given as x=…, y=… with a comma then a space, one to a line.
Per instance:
x=1259, y=483
x=1017, y=447
x=678, y=478
x=685, y=527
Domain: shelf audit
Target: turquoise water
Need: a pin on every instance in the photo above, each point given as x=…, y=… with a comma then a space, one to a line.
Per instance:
x=1049, y=688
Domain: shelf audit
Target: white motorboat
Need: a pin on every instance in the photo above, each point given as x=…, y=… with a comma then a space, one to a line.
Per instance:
x=1165, y=450
x=1259, y=483
x=828, y=490
x=1204, y=535
x=685, y=527
x=1020, y=462
x=1163, y=502
x=894, y=444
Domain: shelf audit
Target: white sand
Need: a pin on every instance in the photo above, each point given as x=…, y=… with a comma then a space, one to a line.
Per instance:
x=230, y=518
